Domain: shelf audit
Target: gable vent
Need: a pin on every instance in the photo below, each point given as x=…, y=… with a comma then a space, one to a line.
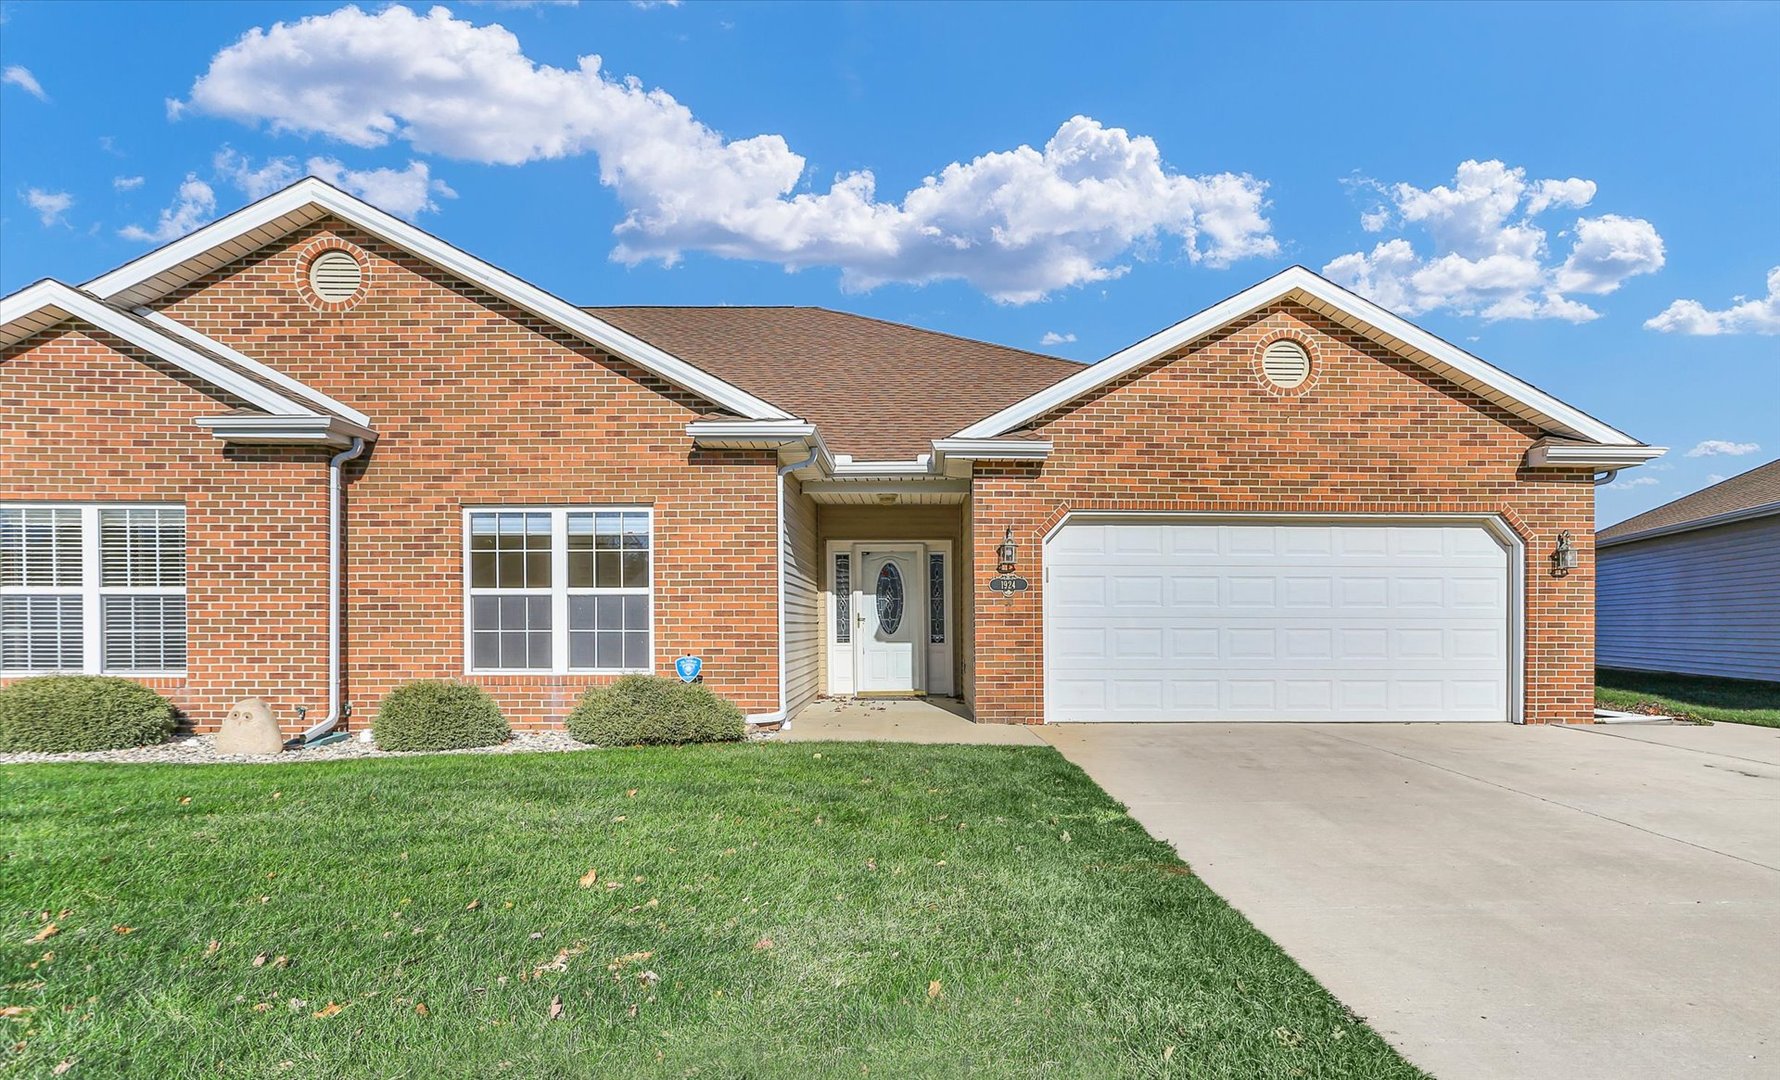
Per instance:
x=1286, y=364
x=335, y=276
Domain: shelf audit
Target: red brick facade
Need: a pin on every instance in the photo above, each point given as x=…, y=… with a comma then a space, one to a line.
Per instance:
x=478, y=403
x=475, y=403
x=1367, y=433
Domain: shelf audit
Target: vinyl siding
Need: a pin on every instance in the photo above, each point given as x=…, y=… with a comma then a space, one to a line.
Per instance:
x=1699, y=603
x=802, y=599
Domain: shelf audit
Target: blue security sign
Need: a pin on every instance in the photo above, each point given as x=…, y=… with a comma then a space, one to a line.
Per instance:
x=689, y=667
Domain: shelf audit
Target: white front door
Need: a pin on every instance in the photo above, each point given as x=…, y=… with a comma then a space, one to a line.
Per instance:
x=889, y=617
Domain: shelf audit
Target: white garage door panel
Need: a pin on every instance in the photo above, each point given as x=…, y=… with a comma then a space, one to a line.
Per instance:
x=1184, y=621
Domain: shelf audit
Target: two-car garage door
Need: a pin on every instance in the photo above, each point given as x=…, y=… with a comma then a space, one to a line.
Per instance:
x=1174, y=619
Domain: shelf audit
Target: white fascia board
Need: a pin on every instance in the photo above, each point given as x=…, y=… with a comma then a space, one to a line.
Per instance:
x=703, y=431
x=1727, y=518
x=264, y=371
x=1564, y=454
x=992, y=449
x=1281, y=285
x=297, y=430
x=71, y=302
x=845, y=466
x=313, y=192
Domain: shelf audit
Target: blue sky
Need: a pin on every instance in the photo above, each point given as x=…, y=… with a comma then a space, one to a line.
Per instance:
x=1584, y=195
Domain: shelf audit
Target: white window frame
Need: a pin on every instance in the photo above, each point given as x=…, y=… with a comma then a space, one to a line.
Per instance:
x=92, y=593
x=559, y=590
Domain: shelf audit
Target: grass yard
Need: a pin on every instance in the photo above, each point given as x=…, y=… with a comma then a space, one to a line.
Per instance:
x=1694, y=697
x=763, y=910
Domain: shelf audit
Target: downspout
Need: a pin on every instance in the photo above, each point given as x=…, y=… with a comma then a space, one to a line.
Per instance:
x=779, y=508
x=336, y=520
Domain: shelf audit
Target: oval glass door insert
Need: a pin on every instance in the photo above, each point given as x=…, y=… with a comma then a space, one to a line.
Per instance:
x=889, y=598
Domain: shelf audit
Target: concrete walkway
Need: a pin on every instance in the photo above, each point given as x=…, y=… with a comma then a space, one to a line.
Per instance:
x=1541, y=902
x=921, y=720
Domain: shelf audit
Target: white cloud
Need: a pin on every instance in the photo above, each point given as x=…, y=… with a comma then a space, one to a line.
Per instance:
x=49, y=205
x=21, y=77
x=1017, y=224
x=404, y=192
x=1053, y=338
x=1487, y=256
x=1714, y=478
x=1636, y=481
x=1717, y=447
x=1744, y=316
x=127, y=183
x=195, y=205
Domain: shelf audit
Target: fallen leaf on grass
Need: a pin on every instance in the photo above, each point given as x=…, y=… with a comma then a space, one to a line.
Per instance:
x=420, y=1008
x=631, y=794
x=282, y=961
x=184, y=799
x=556, y=1006
x=120, y=928
x=330, y=1009
x=631, y=1012
x=66, y=1064
x=260, y=960
x=49, y=930
x=472, y=905
x=15, y=1010
x=763, y=944
x=263, y=1006
x=589, y=878
x=211, y=949
x=933, y=990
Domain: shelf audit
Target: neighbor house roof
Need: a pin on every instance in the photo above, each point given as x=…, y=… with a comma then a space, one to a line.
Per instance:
x=1746, y=495
x=878, y=391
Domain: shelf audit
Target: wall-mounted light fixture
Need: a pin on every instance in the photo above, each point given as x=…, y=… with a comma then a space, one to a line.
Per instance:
x=1006, y=551
x=1563, y=557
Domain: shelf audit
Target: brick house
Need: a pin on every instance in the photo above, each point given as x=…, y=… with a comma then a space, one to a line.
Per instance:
x=310, y=452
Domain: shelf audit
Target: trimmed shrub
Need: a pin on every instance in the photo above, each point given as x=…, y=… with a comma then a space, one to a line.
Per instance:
x=650, y=710
x=62, y=714
x=434, y=714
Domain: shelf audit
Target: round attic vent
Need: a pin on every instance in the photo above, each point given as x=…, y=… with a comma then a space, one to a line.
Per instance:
x=1286, y=364
x=335, y=276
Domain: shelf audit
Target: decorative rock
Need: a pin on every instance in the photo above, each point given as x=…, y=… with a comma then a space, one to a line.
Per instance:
x=249, y=729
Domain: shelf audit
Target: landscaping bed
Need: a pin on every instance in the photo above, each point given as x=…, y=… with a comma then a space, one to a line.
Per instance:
x=752, y=910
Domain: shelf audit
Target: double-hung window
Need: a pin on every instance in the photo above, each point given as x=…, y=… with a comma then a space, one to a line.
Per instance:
x=92, y=588
x=559, y=590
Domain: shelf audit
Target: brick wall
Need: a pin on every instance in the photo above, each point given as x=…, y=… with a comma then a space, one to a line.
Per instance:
x=1368, y=433
x=90, y=419
x=475, y=403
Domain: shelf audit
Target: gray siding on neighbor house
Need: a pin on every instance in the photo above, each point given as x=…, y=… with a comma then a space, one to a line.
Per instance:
x=1705, y=602
x=802, y=599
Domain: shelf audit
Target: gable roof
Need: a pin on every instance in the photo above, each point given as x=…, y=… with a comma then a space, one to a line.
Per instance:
x=1349, y=309
x=246, y=230
x=45, y=304
x=1755, y=493
x=876, y=390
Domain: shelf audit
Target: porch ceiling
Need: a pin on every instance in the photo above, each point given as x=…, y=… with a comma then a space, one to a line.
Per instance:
x=888, y=492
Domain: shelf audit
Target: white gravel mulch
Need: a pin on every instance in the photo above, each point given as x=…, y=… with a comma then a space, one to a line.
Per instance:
x=201, y=750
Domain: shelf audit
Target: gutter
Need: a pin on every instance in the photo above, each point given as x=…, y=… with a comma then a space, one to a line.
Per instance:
x=336, y=521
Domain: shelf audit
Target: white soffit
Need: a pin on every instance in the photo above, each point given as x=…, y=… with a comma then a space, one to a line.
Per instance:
x=246, y=230
x=1338, y=304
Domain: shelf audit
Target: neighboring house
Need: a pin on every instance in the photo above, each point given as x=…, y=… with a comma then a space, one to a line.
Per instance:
x=1694, y=586
x=309, y=452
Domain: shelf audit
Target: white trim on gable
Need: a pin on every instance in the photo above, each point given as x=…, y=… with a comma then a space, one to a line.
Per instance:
x=1298, y=283
x=40, y=306
x=231, y=237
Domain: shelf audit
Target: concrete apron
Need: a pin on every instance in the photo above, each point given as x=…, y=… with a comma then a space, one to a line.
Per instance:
x=918, y=720
x=1539, y=902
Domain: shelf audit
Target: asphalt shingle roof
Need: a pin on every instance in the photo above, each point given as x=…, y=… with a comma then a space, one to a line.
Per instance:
x=876, y=390
x=1757, y=487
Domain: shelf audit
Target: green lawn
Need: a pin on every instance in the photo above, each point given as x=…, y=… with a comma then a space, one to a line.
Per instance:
x=1692, y=697
x=781, y=910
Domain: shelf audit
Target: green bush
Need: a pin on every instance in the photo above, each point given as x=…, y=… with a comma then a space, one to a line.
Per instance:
x=649, y=710
x=433, y=714
x=61, y=714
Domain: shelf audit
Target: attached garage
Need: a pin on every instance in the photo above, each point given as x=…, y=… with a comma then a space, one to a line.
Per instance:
x=1161, y=618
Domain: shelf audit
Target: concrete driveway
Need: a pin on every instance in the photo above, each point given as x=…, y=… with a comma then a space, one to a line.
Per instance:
x=1533, y=902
